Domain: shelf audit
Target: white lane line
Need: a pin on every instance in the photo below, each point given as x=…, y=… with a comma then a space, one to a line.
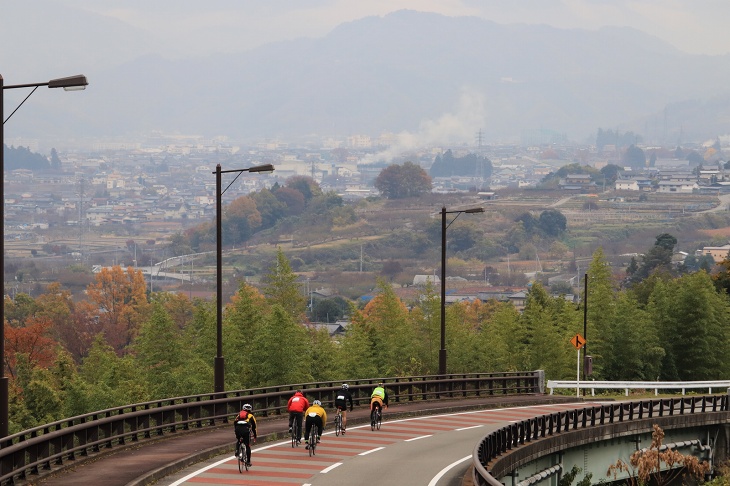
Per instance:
x=328, y=469
x=426, y=417
x=417, y=438
x=371, y=451
x=223, y=461
x=441, y=473
x=468, y=428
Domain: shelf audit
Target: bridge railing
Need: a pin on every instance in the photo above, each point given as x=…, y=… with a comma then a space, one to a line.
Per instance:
x=50, y=446
x=638, y=385
x=487, y=452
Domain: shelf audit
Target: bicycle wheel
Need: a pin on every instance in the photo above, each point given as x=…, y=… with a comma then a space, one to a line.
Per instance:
x=379, y=419
x=372, y=419
x=338, y=424
x=247, y=462
x=312, y=440
x=241, y=459
x=294, y=433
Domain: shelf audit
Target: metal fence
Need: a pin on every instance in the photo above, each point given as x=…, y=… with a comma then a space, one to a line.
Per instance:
x=54, y=445
x=638, y=385
x=498, y=443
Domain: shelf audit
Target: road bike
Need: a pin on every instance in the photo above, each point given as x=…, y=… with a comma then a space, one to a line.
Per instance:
x=338, y=422
x=294, y=432
x=244, y=460
x=376, y=418
x=312, y=439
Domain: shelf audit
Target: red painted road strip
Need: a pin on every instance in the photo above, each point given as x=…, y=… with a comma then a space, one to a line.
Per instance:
x=280, y=464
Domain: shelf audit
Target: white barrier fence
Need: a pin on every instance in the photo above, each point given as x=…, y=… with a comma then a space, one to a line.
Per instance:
x=638, y=385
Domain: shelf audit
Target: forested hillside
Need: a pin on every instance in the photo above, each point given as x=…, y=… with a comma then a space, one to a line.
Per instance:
x=122, y=345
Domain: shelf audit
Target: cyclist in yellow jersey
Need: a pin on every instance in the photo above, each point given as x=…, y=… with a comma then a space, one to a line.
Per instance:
x=245, y=426
x=378, y=399
x=315, y=416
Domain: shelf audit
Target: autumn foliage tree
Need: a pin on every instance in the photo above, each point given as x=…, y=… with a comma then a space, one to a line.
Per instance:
x=122, y=303
x=33, y=341
x=401, y=181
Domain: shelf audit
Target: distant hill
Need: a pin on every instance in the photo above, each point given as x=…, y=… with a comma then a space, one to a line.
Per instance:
x=405, y=71
x=23, y=158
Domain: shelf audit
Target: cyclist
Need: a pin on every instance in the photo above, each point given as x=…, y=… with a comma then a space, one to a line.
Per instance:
x=316, y=417
x=245, y=425
x=378, y=398
x=341, y=399
x=296, y=406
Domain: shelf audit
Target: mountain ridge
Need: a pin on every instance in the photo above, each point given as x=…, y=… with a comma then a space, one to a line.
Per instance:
x=442, y=77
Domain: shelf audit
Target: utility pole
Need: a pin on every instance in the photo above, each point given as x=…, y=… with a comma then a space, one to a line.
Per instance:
x=479, y=138
x=585, y=322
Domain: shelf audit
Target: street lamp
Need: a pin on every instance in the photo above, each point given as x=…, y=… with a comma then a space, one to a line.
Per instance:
x=70, y=83
x=444, y=212
x=219, y=365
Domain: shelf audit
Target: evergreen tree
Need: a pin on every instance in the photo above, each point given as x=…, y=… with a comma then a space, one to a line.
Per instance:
x=281, y=287
x=280, y=350
x=55, y=161
x=601, y=308
x=659, y=257
x=357, y=349
x=632, y=350
x=324, y=359
x=692, y=319
x=166, y=364
x=548, y=325
x=505, y=339
x=242, y=319
x=392, y=332
x=426, y=318
x=461, y=343
x=201, y=335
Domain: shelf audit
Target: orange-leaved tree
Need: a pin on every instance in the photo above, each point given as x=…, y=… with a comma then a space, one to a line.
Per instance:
x=33, y=341
x=122, y=302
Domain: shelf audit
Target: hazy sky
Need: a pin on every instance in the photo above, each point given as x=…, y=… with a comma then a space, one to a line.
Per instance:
x=45, y=39
x=694, y=26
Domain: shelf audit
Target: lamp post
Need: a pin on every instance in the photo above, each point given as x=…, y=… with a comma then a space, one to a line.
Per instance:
x=69, y=84
x=219, y=364
x=444, y=226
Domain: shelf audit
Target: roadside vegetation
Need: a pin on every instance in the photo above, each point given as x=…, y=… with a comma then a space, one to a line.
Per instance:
x=86, y=341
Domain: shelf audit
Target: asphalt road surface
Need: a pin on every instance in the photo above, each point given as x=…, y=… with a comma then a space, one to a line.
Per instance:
x=430, y=450
x=164, y=458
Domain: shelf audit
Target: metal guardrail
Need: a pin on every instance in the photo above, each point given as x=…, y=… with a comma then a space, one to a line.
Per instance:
x=51, y=446
x=488, y=451
x=638, y=385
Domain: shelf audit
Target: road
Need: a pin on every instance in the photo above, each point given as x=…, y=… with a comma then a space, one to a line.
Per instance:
x=723, y=206
x=432, y=450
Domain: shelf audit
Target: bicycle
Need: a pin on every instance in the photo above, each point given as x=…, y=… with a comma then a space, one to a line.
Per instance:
x=338, y=422
x=294, y=433
x=376, y=418
x=244, y=460
x=312, y=440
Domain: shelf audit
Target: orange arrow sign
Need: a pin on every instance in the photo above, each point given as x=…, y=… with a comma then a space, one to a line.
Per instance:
x=578, y=341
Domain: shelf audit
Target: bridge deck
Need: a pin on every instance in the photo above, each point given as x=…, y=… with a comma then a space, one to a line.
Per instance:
x=147, y=461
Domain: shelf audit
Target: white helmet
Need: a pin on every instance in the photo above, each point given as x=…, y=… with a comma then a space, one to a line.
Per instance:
x=247, y=407
x=317, y=402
